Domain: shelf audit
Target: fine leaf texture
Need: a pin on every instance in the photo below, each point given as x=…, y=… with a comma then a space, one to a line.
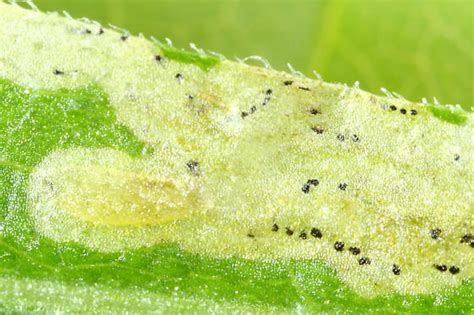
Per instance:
x=138, y=177
x=416, y=48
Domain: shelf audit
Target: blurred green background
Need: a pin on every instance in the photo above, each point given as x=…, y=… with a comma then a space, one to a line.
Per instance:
x=417, y=48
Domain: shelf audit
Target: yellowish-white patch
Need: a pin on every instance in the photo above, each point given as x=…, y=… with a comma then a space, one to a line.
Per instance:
x=401, y=175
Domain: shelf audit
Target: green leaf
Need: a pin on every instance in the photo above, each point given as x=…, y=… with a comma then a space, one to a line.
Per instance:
x=454, y=116
x=204, y=62
x=85, y=113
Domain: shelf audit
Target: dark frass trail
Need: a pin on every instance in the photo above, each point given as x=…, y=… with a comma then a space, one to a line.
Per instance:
x=139, y=177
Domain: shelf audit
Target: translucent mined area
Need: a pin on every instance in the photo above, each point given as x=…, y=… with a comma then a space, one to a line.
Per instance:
x=113, y=148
